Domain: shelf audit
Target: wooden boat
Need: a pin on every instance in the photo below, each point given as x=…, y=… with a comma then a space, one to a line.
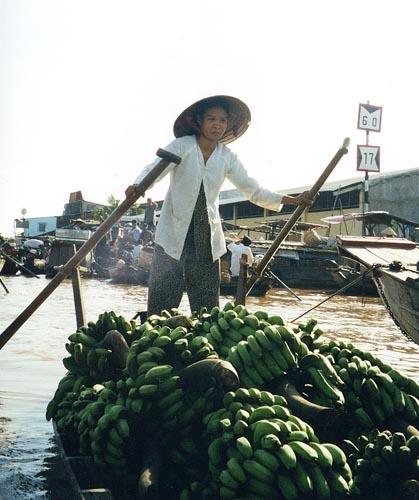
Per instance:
x=394, y=263
x=347, y=272
x=83, y=476
x=139, y=276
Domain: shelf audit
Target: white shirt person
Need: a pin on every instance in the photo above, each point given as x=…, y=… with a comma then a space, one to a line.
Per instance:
x=237, y=249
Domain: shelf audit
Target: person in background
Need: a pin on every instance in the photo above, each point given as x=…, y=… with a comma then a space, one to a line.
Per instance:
x=238, y=249
x=135, y=232
x=189, y=237
x=149, y=214
x=146, y=235
x=123, y=241
x=136, y=251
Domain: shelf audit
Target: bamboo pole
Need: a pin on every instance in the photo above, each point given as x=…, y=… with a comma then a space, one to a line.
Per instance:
x=102, y=230
x=295, y=216
x=77, y=294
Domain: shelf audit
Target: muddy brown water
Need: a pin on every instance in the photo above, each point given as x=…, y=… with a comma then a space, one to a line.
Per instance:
x=30, y=363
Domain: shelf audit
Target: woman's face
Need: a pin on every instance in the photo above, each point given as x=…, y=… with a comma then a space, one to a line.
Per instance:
x=214, y=124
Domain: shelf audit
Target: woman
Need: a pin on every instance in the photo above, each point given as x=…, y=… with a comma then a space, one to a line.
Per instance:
x=189, y=238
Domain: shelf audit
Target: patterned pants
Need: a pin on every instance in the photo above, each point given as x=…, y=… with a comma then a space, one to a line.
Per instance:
x=195, y=272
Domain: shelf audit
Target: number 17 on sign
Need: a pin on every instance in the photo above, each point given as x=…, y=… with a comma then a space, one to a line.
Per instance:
x=368, y=158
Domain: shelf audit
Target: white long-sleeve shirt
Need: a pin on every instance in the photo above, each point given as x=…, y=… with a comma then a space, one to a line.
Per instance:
x=237, y=250
x=185, y=181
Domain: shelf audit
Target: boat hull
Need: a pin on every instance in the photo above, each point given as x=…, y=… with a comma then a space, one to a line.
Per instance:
x=402, y=298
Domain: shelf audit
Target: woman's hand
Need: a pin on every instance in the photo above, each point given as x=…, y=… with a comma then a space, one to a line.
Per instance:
x=301, y=199
x=131, y=191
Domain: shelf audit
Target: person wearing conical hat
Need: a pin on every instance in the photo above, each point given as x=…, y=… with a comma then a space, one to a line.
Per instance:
x=189, y=239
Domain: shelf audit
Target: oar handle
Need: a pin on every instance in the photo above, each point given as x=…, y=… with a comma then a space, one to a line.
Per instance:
x=69, y=266
x=296, y=215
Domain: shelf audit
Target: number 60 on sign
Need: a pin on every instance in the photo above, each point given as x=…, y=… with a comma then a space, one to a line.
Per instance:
x=368, y=158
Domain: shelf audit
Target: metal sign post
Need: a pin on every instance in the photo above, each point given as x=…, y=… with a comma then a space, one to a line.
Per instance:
x=368, y=157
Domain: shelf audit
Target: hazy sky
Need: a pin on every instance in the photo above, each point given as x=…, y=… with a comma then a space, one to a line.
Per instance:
x=90, y=89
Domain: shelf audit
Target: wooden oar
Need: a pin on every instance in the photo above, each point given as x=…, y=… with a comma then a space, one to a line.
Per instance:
x=295, y=216
x=102, y=230
x=18, y=264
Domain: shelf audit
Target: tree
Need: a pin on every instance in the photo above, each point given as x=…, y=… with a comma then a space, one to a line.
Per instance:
x=102, y=213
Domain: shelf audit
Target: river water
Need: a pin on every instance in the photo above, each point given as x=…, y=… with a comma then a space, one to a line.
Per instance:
x=30, y=363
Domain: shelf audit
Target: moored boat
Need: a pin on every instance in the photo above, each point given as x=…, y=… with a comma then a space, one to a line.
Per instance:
x=395, y=264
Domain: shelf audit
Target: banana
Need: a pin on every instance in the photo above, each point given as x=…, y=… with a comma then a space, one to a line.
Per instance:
x=297, y=436
x=158, y=372
x=384, y=380
x=215, y=332
x=226, y=479
x=251, y=320
x=122, y=428
x=303, y=479
x=398, y=399
x=254, y=346
x=91, y=359
x=287, y=487
x=169, y=385
x=258, y=471
x=236, y=470
x=262, y=368
x=242, y=350
x=410, y=408
x=363, y=419
x=304, y=451
x=321, y=488
x=272, y=364
x=287, y=456
x=339, y=457
x=372, y=390
x=233, y=335
x=267, y=459
x=311, y=360
x=259, y=489
x=273, y=335
x=244, y=447
x=226, y=493
x=170, y=399
x=288, y=355
x=280, y=359
x=263, y=341
x=270, y=442
x=261, y=413
x=148, y=389
x=324, y=386
x=262, y=428
x=336, y=482
x=325, y=457
x=253, y=374
x=236, y=323
x=216, y=451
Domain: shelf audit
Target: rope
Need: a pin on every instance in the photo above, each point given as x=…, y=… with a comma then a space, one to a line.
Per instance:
x=359, y=278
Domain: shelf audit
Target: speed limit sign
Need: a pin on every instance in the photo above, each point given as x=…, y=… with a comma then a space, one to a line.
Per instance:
x=369, y=117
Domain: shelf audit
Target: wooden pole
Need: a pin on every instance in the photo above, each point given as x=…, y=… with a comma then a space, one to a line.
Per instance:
x=3, y=285
x=295, y=216
x=77, y=294
x=241, y=282
x=102, y=230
